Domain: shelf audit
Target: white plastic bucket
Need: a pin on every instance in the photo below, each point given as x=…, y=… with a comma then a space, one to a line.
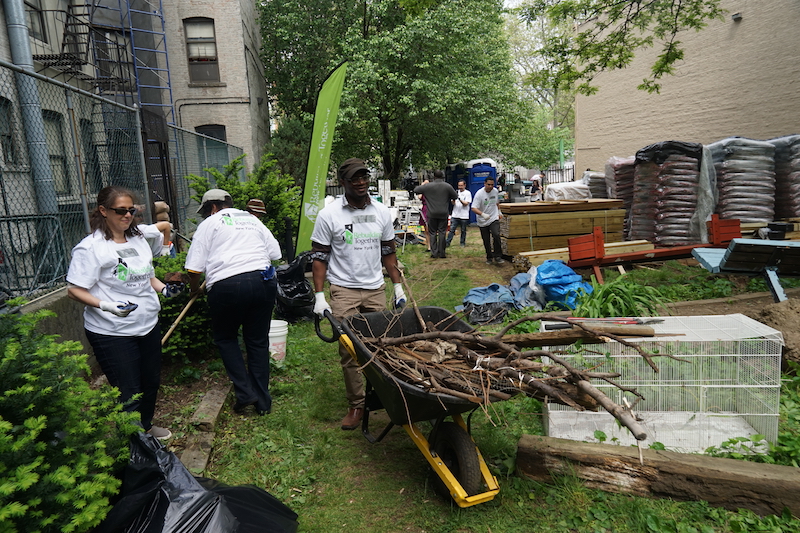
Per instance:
x=278, y=330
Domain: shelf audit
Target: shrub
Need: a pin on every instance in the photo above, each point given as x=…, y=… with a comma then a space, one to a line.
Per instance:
x=61, y=442
x=280, y=195
x=191, y=339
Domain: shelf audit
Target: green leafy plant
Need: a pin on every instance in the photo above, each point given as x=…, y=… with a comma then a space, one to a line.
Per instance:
x=61, y=442
x=619, y=297
x=191, y=340
x=278, y=191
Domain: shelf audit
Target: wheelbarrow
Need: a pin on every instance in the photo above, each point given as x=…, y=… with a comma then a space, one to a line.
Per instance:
x=459, y=468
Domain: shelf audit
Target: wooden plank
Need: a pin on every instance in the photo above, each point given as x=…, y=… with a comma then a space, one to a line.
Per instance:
x=709, y=258
x=574, y=226
x=646, y=255
x=729, y=483
x=515, y=246
x=209, y=408
x=561, y=337
x=554, y=207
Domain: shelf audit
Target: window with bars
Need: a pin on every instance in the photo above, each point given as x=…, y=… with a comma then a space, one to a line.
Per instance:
x=201, y=49
x=8, y=150
x=54, y=132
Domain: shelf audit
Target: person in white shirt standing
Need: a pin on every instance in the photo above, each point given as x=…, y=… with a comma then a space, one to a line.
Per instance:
x=353, y=239
x=459, y=218
x=112, y=274
x=236, y=251
x=486, y=206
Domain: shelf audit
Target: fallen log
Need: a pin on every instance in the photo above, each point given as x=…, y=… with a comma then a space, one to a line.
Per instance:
x=729, y=483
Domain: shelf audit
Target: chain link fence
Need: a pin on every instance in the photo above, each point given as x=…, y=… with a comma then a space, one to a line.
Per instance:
x=59, y=146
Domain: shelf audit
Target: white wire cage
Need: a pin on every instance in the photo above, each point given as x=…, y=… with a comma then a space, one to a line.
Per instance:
x=730, y=386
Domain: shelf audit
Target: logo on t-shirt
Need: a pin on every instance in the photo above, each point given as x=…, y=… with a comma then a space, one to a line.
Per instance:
x=226, y=218
x=348, y=234
x=121, y=270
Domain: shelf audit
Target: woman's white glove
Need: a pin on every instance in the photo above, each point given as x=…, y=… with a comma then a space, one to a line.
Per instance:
x=117, y=308
x=172, y=289
x=320, y=304
x=399, y=296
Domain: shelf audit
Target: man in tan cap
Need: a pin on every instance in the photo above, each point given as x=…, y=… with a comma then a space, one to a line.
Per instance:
x=353, y=239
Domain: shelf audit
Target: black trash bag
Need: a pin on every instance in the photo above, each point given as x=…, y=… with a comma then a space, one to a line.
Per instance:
x=489, y=313
x=256, y=509
x=295, y=300
x=159, y=495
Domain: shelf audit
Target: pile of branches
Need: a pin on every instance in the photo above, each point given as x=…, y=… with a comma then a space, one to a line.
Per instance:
x=482, y=369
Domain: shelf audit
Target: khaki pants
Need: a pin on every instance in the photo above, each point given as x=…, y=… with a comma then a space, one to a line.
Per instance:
x=346, y=302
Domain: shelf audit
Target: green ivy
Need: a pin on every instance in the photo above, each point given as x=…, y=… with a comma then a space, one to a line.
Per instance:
x=61, y=442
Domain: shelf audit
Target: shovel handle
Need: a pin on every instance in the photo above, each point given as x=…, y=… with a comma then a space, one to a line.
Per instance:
x=183, y=314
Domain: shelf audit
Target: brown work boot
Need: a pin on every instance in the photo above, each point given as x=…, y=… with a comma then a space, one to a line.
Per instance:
x=353, y=418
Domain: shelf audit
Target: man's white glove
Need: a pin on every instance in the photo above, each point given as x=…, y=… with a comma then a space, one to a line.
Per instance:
x=484, y=217
x=399, y=296
x=172, y=289
x=117, y=308
x=320, y=304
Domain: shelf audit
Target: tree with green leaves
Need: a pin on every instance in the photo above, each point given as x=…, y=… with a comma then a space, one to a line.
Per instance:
x=280, y=195
x=610, y=32
x=427, y=81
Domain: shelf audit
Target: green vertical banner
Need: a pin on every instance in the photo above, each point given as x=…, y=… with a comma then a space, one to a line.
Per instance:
x=319, y=155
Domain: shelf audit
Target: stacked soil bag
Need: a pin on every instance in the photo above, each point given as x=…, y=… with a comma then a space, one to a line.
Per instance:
x=619, y=184
x=787, y=176
x=596, y=182
x=670, y=197
x=745, y=171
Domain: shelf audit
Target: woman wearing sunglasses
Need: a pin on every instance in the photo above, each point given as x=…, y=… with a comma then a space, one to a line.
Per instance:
x=111, y=272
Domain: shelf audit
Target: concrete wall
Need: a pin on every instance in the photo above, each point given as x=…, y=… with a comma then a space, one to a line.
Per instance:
x=68, y=322
x=737, y=79
x=234, y=101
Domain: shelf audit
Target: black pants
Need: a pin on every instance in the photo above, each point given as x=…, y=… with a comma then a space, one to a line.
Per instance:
x=437, y=230
x=491, y=236
x=133, y=365
x=245, y=301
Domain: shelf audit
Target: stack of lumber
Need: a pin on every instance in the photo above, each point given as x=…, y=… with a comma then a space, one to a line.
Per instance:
x=533, y=226
x=523, y=261
x=750, y=229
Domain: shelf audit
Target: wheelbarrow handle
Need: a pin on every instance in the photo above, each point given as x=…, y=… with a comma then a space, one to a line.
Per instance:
x=335, y=326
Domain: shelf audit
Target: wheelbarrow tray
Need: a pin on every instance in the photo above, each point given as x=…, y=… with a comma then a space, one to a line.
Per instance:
x=404, y=402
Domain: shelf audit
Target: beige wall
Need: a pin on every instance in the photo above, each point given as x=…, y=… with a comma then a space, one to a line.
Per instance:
x=736, y=79
x=234, y=101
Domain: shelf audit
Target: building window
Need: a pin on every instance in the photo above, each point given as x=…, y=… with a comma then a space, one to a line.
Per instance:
x=213, y=130
x=36, y=25
x=54, y=135
x=201, y=48
x=8, y=150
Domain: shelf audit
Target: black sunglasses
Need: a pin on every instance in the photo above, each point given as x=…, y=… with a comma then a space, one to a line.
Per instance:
x=121, y=211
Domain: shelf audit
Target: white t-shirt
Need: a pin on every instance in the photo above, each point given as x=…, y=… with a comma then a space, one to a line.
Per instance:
x=154, y=238
x=460, y=210
x=354, y=236
x=231, y=242
x=116, y=272
x=487, y=204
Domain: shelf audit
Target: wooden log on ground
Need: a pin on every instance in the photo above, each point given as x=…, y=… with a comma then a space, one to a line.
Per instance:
x=525, y=260
x=729, y=483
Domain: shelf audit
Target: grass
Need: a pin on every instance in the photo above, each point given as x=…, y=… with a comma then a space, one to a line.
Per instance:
x=337, y=481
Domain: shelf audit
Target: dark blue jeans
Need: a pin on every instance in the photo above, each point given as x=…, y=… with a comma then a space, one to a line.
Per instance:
x=245, y=301
x=456, y=223
x=133, y=365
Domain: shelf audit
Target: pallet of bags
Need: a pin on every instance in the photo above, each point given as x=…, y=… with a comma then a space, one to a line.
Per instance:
x=619, y=183
x=673, y=194
x=745, y=175
x=787, y=176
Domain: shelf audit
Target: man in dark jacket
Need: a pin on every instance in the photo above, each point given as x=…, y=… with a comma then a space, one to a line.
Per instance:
x=439, y=195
